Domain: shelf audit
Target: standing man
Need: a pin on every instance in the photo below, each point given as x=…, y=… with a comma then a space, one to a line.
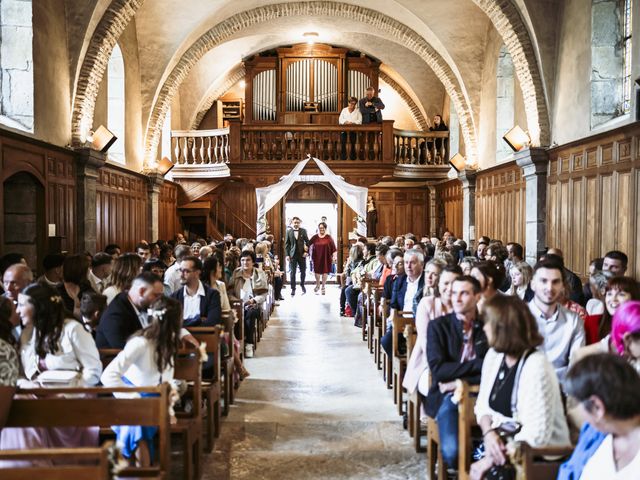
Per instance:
x=370, y=107
x=296, y=246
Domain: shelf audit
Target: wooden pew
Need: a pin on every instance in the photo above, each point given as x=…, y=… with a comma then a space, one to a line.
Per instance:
x=533, y=466
x=413, y=402
x=228, y=364
x=399, y=360
x=379, y=315
x=236, y=305
x=92, y=463
x=368, y=285
x=211, y=336
x=45, y=407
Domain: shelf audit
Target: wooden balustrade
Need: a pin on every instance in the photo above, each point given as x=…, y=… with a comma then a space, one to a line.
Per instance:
x=420, y=148
x=200, y=147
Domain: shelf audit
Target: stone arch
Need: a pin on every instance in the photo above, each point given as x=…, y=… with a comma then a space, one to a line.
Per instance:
x=416, y=113
x=229, y=80
x=505, y=101
x=506, y=19
x=377, y=21
x=95, y=62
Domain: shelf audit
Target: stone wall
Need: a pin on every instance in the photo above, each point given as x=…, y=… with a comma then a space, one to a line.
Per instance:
x=16, y=64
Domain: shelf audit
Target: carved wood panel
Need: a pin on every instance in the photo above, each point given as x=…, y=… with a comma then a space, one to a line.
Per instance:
x=449, y=207
x=593, y=197
x=401, y=210
x=168, y=221
x=121, y=208
x=61, y=199
x=500, y=204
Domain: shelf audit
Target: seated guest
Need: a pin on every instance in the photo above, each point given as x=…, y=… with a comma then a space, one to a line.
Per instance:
x=496, y=252
x=519, y=394
x=615, y=262
x=516, y=252
x=571, y=279
x=92, y=306
x=101, y=265
x=127, y=313
x=15, y=279
x=52, y=265
x=356, y=257
x=157, y=267
x=607, y=388
x=172, y=274
x=625, y=333
x=9, y=363
x=396, y=260
x=148, y=359
x=143, y=251
x=75, y=282
x=429, y=308
x=562, y=330
x=598, y=282
x=200, y=303
x=52, y=340
x=407, y=293
x=432, y=272
x=481, y=251
x=490, y=275
x=249, y=285
x=467, y=263
x=594, y=265
x=456, y=346
x=125, y=269
x=113, y=250
x=521, y=273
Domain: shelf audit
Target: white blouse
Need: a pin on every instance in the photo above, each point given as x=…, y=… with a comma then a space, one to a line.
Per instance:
x=137, y=363
x=601, y=465
x=76, y=351
x=539, y=406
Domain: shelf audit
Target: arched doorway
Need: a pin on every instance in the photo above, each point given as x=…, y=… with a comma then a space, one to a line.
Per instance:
x=24, y=217
x=312, y=203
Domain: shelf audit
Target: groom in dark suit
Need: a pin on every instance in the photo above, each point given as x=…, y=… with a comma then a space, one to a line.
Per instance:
x=296, y=246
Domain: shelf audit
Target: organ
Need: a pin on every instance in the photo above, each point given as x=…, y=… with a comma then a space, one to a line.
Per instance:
x=305, y=83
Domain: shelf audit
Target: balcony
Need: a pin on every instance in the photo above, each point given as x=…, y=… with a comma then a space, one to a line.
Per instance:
x=249, y=148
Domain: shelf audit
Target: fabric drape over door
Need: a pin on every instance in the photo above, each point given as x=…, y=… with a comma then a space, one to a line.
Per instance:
x=354, y=196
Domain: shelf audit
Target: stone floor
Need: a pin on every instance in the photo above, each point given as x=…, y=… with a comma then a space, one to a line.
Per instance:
x=314, y=407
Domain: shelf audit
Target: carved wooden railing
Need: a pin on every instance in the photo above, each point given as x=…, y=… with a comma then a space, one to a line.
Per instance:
x=200, y=147
x=420, y=148
x=278, y=143
x=227, y=221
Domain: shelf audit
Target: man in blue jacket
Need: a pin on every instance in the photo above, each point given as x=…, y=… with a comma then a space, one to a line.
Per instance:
x=200, y=303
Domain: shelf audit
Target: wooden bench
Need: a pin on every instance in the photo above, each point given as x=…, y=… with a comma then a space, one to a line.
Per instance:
x=47, y=408
x=211, y=389
x=368, y=285
x=228, y=363
x=91, y=463
x=534, y=466
x=398, y=359
x=413, y=402
x=379, y=315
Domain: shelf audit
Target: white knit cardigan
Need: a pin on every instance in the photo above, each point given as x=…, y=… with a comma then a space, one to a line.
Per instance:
x=538, y=407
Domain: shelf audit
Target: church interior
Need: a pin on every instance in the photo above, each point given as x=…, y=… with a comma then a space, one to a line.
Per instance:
x=277, y=208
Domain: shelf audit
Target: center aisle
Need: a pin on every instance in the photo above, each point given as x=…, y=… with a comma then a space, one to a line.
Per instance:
x=314, y=407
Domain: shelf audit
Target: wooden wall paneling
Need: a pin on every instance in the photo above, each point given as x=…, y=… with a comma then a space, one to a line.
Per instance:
x=624, y=191
x=401, y=210
x=634, y=216
x=61, y=198
x=449, y=207
x=168, y=222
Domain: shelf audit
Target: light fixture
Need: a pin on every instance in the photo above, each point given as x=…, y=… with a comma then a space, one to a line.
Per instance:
x=458, y=162
x=311, y=37
x=164, y=166
x=517, y=138
x=101, y=139
x=243, y=84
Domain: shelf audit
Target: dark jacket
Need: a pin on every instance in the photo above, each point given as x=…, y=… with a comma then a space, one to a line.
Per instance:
x=295, y=248
x=209, y=307
x=400, y=290
x=118, y=322
x=444, y=349
x=575, y=285
x=367, y=112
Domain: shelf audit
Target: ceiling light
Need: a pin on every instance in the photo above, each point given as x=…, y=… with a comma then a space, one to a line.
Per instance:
x=458, y=162
x=311, y=37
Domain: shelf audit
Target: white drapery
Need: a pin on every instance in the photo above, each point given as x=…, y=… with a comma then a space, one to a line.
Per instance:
x=354, y=196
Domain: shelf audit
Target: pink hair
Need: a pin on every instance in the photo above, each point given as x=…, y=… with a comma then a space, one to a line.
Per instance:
x=626, y=320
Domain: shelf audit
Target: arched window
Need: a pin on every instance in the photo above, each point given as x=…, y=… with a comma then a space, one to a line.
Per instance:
x=505, y=106
x=454, y=132
x=16, y=64
x=116, y=109
x=611, y=62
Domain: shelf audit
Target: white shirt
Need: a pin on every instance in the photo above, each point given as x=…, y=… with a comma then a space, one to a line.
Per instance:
x=98, y=284
x=563, y=335
x=137, y=363
x=110, y=293
x=412, y=289
x=353, y=117
x=191, y=305
x=76, y=351
x=172, y=277
x=601, y=464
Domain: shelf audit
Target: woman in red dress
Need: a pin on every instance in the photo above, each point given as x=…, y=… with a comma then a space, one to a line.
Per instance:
x=323, y=250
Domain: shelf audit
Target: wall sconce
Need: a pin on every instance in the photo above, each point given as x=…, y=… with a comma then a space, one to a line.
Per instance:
x=164, y=166
x=517, y=138
x=311, y=37
x=101, y=139
x=458, y=162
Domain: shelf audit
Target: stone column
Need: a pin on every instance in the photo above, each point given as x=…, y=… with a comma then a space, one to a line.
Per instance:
x=155, y=183
x=468, y=179
x=88, y=163
x=534, y=163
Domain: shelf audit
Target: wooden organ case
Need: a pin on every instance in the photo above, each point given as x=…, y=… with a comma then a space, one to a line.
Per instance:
x=305, y=84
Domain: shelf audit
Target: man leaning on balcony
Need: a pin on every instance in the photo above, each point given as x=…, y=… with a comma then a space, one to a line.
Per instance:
x=350, y=115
